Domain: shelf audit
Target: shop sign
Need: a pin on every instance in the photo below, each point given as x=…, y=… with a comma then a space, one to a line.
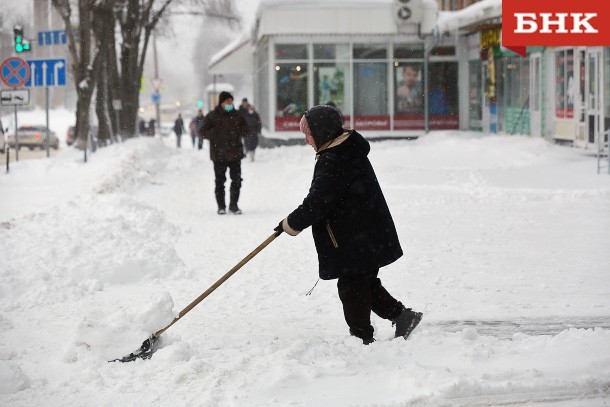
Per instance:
x=491, y=38
x=555, y=23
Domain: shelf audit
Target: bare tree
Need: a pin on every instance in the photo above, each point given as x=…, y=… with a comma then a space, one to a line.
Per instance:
x=137, y=20
x=83, y=58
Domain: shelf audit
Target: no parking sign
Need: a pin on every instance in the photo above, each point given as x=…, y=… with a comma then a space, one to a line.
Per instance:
x=14, y=72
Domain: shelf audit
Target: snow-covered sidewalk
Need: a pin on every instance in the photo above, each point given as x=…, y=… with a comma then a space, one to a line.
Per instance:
x=506, y=253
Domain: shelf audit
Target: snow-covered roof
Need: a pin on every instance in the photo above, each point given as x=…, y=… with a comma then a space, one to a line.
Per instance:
x=449, y=21
x=219, y=87
x=325, y=17
x=234, y=58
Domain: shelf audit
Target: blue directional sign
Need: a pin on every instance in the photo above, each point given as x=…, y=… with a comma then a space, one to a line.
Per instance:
x=46, y=72
x=156, y=98
x=54, y=37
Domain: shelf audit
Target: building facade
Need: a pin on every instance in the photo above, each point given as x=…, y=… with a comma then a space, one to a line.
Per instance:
x=372, y=66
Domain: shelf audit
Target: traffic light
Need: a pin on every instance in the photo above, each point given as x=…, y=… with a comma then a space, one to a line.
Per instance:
x=21, y=44
x=200, y=103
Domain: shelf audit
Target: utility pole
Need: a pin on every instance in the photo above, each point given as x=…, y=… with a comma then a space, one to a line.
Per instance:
x=157, y=105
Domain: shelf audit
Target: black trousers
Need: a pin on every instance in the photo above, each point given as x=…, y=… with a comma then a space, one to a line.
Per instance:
x=361, y=294
x=220, y=170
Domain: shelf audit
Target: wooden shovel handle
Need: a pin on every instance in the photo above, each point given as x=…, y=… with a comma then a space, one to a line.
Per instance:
x=219, y=282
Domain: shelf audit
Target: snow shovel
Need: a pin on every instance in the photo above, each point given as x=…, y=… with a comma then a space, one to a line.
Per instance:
x=148, y=346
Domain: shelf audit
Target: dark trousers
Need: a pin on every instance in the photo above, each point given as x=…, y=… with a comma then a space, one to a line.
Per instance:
x=220, y=170
x=193, y=138
x=200, y=143
x=361, y=294
x=178, y=139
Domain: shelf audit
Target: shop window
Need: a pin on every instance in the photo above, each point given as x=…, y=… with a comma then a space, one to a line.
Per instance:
x=291, y=51
x=565, y=85
x=331, y=84
x=291, y=90
x=412, y=51
x=370, y=51
x=442, y=96
x=371, y=96
x=331, y=51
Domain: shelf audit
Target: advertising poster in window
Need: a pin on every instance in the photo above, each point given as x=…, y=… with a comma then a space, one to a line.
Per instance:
x=330, y=86
x=291, y=102
x=442, y=96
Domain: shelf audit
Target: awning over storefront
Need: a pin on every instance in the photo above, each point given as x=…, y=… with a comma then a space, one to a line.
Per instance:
x=235, y=58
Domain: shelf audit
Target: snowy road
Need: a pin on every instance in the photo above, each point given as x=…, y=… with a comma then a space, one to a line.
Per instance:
x=506, y=253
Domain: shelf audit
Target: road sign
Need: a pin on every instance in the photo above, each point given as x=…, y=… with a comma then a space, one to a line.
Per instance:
x=14, y=72
x=46, y=72
x=157, y=83
x=54, y=37
x=156, y=98
x=117, y=104
x=15, y=97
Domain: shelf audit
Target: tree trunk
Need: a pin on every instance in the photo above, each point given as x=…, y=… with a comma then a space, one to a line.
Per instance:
x=103, y=27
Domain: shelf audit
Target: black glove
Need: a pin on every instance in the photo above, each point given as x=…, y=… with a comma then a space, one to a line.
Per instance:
x=279, y=228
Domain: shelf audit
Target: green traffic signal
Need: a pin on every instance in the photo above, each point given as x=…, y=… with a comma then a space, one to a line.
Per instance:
x=199, y=103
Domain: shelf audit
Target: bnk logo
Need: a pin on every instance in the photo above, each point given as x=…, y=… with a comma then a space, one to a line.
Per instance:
x=555, y=23
x=530, y=23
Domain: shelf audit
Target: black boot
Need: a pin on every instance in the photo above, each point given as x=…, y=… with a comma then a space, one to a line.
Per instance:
x=406, y=322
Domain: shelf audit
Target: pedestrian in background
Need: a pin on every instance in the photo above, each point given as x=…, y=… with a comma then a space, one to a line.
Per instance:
x=198, y=125
x=142, y=127
x=352, y=228
x=255, y=125
x=224, y=127
x=151, y=127
x=193, y=130
x=179, y=129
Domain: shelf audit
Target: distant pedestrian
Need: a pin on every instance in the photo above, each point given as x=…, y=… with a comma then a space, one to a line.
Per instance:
x=224, y=127
x=142, y=127
x=352, y=227
x=255, y=125
x=151, y=127
x=193, y=130
x=198, y=126
x=179, y=129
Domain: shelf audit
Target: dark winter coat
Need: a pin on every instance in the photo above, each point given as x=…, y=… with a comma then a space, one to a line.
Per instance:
x=255, y=125
x=225, y=130
x=178, y=126
x=351, y=224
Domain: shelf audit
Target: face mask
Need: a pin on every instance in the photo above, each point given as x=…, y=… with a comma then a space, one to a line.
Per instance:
x=228, y=108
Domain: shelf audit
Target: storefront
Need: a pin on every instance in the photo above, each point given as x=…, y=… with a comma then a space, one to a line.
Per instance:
x=499, y=84
x=581, y=101
x=359, y=59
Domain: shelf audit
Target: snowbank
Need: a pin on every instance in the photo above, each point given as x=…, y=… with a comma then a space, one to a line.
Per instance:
x=505, y=243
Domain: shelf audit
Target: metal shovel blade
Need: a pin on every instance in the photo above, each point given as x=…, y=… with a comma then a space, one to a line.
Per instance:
x=145, y=352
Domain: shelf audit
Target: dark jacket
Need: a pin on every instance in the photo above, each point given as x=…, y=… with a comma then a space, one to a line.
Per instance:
x=255, y=125
x=224, y=130
x=351, y=224
x=178, y=126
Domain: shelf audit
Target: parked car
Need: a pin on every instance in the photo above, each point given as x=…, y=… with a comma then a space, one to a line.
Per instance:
x=32, y=137
x=70, y=135
x=91, y=141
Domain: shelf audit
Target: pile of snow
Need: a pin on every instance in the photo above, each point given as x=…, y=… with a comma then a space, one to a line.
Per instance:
x=505, y=243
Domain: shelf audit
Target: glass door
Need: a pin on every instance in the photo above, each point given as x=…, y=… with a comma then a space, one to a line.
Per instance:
x=594, y=105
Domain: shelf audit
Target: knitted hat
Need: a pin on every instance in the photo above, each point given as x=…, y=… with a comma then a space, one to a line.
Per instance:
x=224, y=96
x=324, y=123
